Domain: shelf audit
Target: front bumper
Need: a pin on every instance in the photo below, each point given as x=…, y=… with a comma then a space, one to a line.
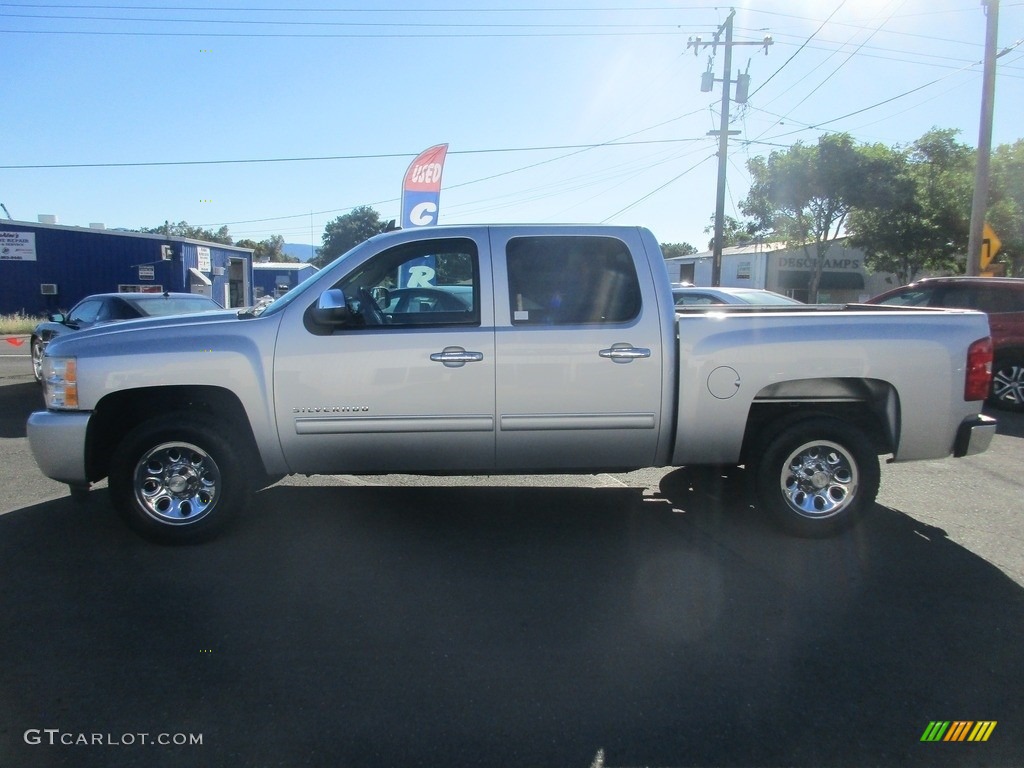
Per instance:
x=57, y=440
x=974, y=436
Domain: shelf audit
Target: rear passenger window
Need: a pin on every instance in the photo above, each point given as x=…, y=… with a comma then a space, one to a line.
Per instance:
x=570, y=280
x=996, y=299
x=959, y=297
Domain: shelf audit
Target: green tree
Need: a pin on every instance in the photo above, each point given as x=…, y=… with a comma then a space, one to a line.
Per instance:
x=348, y=231
x=271, y=249
x=804, y=195
x=926, y=222
x=184, y=229
x=1006, y=204
x=734, y=232
x=675, y=250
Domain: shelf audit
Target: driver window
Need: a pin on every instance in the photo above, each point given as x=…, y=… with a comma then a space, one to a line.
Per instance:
x=426, y=283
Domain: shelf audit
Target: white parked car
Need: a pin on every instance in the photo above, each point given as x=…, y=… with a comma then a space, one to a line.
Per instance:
x=694, y=296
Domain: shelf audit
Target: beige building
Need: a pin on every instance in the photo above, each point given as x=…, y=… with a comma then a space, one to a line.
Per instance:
x=773, y=266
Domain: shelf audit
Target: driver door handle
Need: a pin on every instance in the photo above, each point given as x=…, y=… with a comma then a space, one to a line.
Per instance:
x=624, y=353
x=456, y=357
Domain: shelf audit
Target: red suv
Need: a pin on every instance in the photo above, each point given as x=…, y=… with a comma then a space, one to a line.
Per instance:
x=1002, y=299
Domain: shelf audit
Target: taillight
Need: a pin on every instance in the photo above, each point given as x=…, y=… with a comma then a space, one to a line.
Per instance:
x=979, y=370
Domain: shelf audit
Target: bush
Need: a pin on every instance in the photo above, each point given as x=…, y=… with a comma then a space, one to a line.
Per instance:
x=18, y=324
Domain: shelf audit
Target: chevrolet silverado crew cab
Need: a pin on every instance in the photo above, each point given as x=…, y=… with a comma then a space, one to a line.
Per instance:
x=506, y=349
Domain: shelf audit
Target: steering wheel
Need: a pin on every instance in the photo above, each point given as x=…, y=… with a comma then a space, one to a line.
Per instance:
x=372, y=314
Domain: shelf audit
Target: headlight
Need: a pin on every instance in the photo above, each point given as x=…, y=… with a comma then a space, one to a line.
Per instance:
x=60, y=382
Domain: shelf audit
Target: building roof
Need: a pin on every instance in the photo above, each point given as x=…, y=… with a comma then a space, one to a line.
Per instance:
x=279, y=265
x=121, y=233
x=734, y=250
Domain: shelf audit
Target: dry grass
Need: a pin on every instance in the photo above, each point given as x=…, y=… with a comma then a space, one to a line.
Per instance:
x=18, y=324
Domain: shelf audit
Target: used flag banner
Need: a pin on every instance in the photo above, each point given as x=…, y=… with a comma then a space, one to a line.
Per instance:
x=421, y=192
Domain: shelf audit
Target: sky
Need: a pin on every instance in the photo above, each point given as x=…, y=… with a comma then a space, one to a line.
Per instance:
x=275, y=120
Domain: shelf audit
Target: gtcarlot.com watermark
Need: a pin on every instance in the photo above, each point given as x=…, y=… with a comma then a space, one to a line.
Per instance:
x=56, y=737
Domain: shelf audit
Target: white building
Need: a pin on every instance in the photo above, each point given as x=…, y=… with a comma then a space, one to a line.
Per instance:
x=775, y=267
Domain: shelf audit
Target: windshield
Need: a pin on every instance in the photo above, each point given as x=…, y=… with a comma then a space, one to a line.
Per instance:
x=764, y=297
x=173, y=306
x=909, y=298
x=281, y=302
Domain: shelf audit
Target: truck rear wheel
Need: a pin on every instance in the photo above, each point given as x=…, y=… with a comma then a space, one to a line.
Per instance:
x=177, y=479
x=818, y=476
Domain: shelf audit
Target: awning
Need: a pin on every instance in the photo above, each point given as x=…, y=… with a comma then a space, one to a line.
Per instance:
x=199, y=277
x=830, y=281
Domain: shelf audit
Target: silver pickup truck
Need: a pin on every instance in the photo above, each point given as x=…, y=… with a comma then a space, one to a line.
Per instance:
x=506, y=349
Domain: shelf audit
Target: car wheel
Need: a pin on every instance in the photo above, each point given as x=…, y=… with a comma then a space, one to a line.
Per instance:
x=36, y=349
x=177, y=479
x=1008, y=383
x=817, y=477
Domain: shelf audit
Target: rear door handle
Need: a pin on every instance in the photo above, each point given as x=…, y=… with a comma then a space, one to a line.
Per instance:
x=624, y=353
x=456, y=357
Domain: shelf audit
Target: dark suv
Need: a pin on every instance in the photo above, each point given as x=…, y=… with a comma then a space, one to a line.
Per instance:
x=1002, y=299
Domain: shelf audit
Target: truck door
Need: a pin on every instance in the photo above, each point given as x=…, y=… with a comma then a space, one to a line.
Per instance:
x=407, y=385
x=580, y=353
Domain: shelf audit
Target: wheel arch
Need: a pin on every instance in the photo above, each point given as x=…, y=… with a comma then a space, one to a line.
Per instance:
x=117, y=413
x=871, y=405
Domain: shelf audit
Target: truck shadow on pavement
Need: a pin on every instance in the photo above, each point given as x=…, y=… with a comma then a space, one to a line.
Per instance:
x=17, y=401
x=1010, y=423
x=504, y=626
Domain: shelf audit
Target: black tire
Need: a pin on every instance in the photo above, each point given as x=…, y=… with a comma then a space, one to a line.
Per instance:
x=36, y=350
x=817, y=477
x=79, y=493
x=1008, y=383
x=177, y=478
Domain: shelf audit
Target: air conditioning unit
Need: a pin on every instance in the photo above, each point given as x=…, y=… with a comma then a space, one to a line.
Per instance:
x=166, y=252
x=48, y=289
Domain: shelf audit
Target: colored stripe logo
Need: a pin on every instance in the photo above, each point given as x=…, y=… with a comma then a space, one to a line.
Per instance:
x=959, y=730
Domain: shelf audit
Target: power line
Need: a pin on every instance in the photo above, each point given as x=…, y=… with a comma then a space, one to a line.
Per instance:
x=612, y=142
x=818, y=124
x=655, y=191
x=797, y=52
x=833, y=73
x=337, y=35
x=919, y=58
x=379, y=156
x=548, y=9
x=358, y=24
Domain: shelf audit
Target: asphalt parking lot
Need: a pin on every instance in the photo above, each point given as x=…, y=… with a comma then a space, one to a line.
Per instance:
x=646, y=619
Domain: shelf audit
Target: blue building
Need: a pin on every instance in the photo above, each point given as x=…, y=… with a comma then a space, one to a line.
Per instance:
x=275, y=278
x=48, y=267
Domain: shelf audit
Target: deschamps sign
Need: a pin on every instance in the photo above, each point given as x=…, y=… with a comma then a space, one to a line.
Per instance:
x=804, y=262
x=17, y=246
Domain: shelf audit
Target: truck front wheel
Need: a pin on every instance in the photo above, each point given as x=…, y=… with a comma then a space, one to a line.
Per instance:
x=176, y=479
x=818, y=476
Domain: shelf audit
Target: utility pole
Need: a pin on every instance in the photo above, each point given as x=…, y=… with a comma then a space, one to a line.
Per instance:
x=981, y=176
x=742, y=85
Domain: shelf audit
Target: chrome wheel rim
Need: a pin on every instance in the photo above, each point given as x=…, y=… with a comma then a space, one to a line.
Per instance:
x=177, y=483
x=37, y=360
x=819, y=479
x=1008, y=384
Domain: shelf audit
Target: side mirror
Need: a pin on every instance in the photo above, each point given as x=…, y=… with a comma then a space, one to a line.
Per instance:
x=332, y=307
x=57, y=317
